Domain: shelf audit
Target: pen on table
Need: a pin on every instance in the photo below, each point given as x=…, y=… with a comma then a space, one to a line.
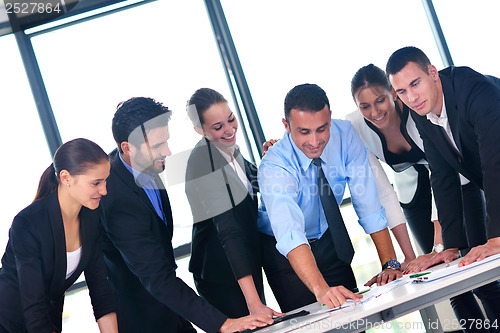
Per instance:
x=419, y=274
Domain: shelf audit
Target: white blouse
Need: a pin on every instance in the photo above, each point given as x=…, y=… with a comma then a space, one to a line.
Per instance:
x=72, y=259
x=239, y=171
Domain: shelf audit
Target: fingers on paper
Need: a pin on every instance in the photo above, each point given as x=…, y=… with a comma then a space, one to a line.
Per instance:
x=336, y=296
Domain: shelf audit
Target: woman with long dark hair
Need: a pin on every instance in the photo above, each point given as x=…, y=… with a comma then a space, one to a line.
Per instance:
x=54, y=240
x=390, y=135
x=221, y=186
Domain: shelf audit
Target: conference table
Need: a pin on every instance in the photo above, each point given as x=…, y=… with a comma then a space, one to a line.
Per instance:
x=382, y=304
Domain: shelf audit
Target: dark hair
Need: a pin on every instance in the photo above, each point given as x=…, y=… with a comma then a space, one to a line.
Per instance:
x=305, y=97
x=369, y=75
x=403, y=56
x=201, y=101
x=134, y=113
x=76, y=157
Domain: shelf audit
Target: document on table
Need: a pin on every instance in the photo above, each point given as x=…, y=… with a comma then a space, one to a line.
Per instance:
x=368, y=295
x=434, y=273
x=444, y=270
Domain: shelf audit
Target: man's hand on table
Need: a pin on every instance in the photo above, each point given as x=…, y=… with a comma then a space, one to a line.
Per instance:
x=385, y=276
x=336, y=296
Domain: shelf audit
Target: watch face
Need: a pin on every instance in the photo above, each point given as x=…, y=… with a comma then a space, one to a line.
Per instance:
x=393, y=263
x=438, y=248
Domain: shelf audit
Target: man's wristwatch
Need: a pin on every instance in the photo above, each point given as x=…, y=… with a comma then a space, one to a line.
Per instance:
x=438, y=248
x=393, y=264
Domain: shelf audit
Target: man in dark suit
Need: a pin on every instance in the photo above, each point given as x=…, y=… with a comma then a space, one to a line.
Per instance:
x=138, y=227
x=457, y=112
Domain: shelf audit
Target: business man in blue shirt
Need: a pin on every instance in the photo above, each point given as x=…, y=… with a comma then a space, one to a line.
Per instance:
x=317, y=268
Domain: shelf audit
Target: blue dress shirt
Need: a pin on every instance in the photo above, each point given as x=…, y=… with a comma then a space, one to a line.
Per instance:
x=147, y=182
x=288, y=185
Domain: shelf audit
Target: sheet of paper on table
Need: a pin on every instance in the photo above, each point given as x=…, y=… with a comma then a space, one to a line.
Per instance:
x=443, y=270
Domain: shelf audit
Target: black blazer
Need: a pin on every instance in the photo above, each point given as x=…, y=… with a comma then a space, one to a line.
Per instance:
x=33, y=273
x=473, y=107
x=141, y=265
x=225, y=244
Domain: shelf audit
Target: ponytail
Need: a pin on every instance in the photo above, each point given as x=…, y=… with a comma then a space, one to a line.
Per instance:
x=48, y=183
x=75, y=156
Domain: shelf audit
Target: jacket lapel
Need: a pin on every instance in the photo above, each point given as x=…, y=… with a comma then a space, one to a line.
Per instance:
x=251, y=172
x=165, y=203
x=60, y=263
x=451, y=110
x=129, y=180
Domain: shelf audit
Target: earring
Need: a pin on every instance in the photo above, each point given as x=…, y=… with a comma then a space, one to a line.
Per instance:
x=67, y=184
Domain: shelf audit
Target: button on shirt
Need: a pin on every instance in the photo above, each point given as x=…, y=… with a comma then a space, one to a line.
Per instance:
x=288, y=185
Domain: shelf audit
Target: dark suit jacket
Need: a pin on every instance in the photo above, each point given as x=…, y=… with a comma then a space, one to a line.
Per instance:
x=473, y=107
x=32, y=277
x=225, y=245
x=141, y=265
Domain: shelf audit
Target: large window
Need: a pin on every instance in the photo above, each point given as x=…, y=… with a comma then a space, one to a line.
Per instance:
x=25, y=154
x=323, y=42
x=285, y=43
x=166, y=50
x=470, y=30
x=163, y=50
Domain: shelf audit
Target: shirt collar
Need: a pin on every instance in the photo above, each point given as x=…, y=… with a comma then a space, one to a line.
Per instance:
x=145, y=180
x=438, y=120
x=232, y=149
x=305, y=161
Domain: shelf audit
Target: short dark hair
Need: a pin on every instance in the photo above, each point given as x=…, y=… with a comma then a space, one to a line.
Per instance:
x=403, y=56
x=305, y=97
x=133, y=113
x=369, y=75
x=201, y=101
x=76, y=157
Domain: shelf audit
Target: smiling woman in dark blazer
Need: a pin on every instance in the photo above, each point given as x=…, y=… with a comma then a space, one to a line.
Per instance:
x=221, y=189
x=54, y=240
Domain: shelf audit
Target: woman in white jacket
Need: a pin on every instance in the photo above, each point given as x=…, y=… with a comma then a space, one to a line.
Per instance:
x=390, y=135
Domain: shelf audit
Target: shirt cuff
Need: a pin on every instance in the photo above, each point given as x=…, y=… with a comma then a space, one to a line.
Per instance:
x=290, y=241
x=374, y=222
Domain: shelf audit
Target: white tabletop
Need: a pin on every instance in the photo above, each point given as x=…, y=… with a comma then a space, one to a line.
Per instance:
x=393, y=300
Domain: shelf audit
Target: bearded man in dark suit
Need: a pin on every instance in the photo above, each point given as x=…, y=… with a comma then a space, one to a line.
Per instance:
x=138, y=227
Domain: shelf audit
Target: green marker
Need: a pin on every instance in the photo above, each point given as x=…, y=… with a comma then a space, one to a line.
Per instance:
x=362, y=292
x=420, y=274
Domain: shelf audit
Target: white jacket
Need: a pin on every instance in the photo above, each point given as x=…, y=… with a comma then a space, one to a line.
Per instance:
x=406, y=181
